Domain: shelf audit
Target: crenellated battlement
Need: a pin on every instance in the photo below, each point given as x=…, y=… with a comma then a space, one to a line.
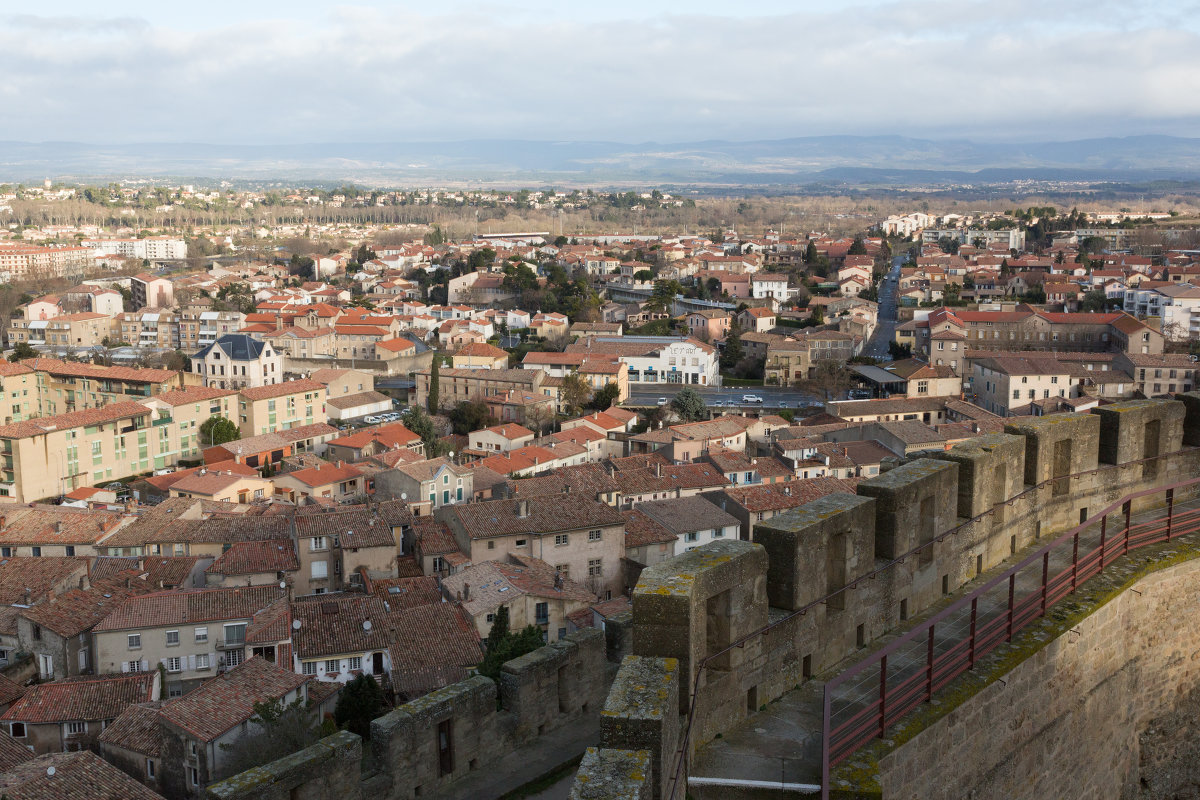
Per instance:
x=750, y=621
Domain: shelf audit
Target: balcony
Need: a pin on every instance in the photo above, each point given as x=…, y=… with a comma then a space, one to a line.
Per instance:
x=229, y=644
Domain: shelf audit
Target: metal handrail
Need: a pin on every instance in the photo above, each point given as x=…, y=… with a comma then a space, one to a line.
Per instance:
x=838, y=743
x=681, y=752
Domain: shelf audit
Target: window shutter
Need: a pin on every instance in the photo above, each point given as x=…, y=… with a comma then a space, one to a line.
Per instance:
x=145, y=665
x=124, y=666
x=191, y=662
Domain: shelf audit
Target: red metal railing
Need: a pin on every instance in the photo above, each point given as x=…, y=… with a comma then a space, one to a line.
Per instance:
x=981, y=621
x=939, y=677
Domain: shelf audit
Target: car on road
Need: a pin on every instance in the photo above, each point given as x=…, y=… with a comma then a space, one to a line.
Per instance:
x=751, y=398
x=860, y=394
x=662, y=401
x=783, y=403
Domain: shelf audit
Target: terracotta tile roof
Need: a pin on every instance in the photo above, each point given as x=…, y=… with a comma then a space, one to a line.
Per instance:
x=333, y=625
x=401, y=593
x=670, y=478
x=228, y=699
x=79, y=610
x=642, y=530
x=544, y=515
x=193, y=394
x=432, y=537
x=358, y=399
x=399, y=344
x=356, y=528
x=88, y=698
x=136, y=729
x=394, y=435
x=394, y=458
x=10, y=690
x=195, y=605
x=325, y=474
x=431, y=636
x=281, y=389
x=782, y=496
x=250, y=558
x=159, y=572
x=510, y=431
x=686, y=514
x=12, y=753
x=78, y=774
x=496, y=583
x=482, y=349
x=73, y=419
x=62, y=525
x=407, y=567
x=38, y=575
x=81, y=370
x=427, y=469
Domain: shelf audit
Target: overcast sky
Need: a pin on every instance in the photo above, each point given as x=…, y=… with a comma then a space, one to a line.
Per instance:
x=268, y=71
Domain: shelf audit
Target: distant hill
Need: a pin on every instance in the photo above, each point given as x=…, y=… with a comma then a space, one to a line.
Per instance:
x=878, y=160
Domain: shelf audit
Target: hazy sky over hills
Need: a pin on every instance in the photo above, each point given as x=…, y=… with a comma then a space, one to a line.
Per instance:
x=268, y=71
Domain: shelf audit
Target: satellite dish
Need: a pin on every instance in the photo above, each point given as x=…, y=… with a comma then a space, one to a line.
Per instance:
x=50, y=771
x=283, y=584
x=296, y=624
x=366, y=624
x=404, y=495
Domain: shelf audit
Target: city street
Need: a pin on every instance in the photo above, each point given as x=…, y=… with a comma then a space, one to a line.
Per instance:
x=885, y=328
x=774, y=397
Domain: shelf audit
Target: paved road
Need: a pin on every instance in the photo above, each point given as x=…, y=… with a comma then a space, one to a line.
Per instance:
x=773, y=396
x=885, y=329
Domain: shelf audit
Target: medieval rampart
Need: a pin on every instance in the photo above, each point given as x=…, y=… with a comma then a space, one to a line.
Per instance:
x=732, y=626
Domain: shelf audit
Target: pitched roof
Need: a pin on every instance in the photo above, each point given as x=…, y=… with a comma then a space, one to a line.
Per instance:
x=12, y=752
x=251, y=558
x=496, y=583
x=400, y=593
x=136, y=729
x=432, y=636
x=686, y=514
x=782, y=496
x=333, y=625
x=194, y=605
x=281, y=389
x=88, y=698
x=642, y=530
x=543, y=515
x=228, y=699
x=324, y=474
x=36, y=575
x=73, y=419
x=193, y=394
x=359, y=399
x=77, y=774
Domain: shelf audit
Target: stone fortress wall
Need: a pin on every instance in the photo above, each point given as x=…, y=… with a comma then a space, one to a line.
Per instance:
x=435, y=745
x=998, y=494
x=965, y=510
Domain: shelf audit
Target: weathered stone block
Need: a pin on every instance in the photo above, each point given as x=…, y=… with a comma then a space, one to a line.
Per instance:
x=818, y=548
x=613, y=775
x=1058, y=445
x=325, y=769
x=991, y=469
x=914, y=503
x=642, y=712
x=1139, y=429
x=696, y=604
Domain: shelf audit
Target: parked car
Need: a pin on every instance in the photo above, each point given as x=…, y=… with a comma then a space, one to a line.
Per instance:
x=371, y=420
x=751, y=398
x=662, y=401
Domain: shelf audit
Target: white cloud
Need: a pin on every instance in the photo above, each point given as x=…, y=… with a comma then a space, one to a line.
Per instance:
x=928, y=68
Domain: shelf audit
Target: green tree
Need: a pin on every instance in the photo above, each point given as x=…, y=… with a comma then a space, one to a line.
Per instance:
x=280, y=730
x=504, y=645
x=218, y=430
x=419, y=423
x=663, y=297
x=732, y=353
x=899, y=351
x=605, y=398
x=560, y=242
x=858, y=247
x=643, y=275
x=433, y=401
x=689, y=405
x=1094, y=300
x=22, y=350
x=359, y=702
x=576, y=393
x=810, y=252
x=470, y=416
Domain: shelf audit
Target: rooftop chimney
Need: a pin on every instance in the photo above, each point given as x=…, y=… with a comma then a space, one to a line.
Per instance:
x=466, y=592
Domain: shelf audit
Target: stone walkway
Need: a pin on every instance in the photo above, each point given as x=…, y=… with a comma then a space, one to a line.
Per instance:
x=784, y=741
